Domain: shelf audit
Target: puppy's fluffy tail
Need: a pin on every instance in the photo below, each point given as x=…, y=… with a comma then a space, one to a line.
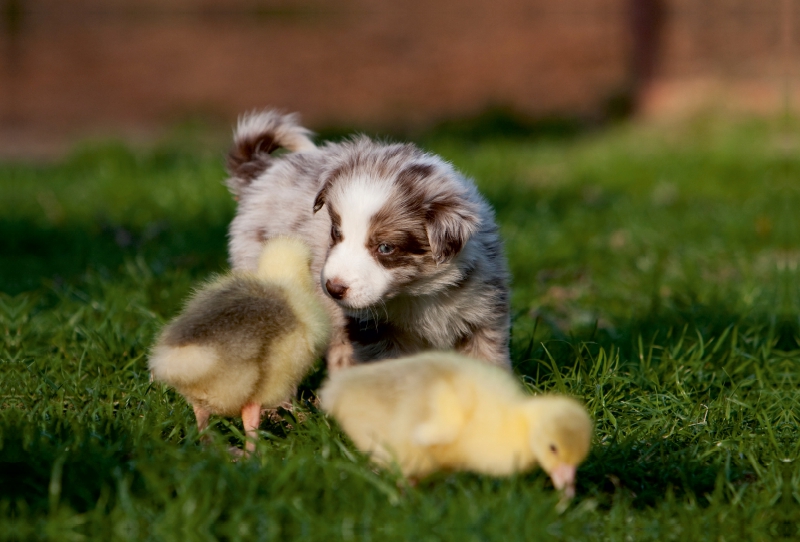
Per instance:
x=257, y=135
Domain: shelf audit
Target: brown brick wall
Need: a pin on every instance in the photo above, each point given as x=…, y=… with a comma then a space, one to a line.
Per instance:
x=96, y=65
x=73, y=68
x=736, y=54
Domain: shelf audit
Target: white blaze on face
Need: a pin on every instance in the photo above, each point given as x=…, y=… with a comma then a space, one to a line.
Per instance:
x=350, y=261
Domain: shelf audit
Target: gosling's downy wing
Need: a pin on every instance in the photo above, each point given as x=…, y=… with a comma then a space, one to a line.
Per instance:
x=238, y=311
x=445, y=416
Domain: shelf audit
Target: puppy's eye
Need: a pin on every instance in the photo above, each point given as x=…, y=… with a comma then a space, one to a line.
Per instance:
x=335, y=233
x=553, y=448
x=385, y=249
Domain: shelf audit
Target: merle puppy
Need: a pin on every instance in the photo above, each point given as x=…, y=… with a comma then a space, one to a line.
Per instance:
x=406, y=250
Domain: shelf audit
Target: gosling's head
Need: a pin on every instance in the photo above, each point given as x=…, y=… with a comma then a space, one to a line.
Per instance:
x=560, y=437
x=286, y=259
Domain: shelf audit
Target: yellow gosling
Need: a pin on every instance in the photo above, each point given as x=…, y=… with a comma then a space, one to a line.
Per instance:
x=441, y=410
x=244, y=341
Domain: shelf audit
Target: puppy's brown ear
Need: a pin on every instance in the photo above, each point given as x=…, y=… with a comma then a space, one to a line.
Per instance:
x=322, y=195
x=451, y=221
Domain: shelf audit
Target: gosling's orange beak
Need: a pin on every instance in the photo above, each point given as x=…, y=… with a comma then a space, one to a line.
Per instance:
x=563, y=477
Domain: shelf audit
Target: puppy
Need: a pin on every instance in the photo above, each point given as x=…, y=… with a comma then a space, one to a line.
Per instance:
x=406, y=250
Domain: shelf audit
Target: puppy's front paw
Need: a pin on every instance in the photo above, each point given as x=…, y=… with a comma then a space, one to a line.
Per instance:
x=339, y=356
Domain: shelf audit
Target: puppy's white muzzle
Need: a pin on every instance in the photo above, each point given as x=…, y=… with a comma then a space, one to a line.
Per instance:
x=353, y=278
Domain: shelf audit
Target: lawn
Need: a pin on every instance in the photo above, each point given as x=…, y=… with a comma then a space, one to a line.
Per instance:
x=655, y=277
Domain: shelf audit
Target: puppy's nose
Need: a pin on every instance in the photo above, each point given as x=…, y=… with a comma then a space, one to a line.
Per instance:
x=335, y=288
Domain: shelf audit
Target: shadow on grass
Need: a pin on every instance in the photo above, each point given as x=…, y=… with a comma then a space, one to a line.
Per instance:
x=67, y=464
x=636, y=338
x=31, y=253
x=643, y=471
x=63, y=465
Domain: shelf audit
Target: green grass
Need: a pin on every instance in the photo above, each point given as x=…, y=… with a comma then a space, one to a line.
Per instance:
x=655, y=278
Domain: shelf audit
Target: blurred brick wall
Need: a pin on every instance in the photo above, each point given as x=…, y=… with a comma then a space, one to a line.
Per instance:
x=79, y=67
x=75, y=67
x=740, y=55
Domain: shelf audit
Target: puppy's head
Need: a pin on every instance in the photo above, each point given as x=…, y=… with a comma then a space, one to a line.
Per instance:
x=398, y=216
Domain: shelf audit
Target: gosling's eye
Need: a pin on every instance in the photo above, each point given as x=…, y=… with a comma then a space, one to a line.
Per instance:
x=553, y=448
x=385, y=249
